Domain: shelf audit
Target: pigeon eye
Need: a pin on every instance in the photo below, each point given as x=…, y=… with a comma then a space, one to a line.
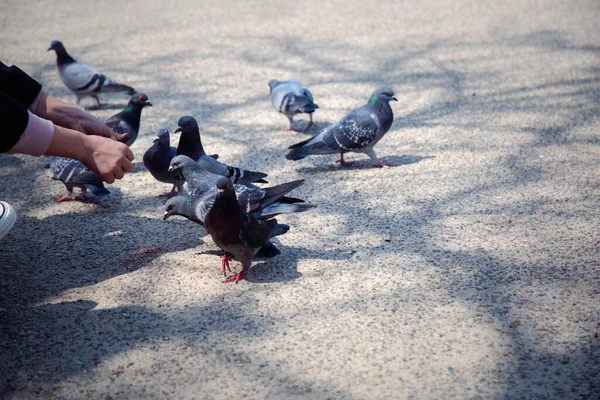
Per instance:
x=187, y=123
x=140, y=98
x=386, y=93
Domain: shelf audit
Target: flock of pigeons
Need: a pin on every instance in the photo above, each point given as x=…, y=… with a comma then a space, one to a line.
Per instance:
x=225, y=200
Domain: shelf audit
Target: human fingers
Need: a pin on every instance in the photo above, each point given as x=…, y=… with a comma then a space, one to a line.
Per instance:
x=118, y=172
x=129, y=154
x=127, y=166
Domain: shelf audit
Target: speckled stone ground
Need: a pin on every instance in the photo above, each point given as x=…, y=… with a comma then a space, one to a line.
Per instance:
x=470, y=270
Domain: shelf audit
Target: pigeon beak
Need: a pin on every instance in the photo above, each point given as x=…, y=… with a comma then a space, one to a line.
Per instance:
x=149, y=104
x=166, y=215
x=178, y=130
x=156, y=139
x=394, y=98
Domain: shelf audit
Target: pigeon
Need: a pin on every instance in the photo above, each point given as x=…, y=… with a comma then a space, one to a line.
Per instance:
x=235, y=231
x=157, y=159
x=262, y=203
x=74, y=174
x=82, y=79
x=291, y=98
x=359, y=131
x=258, y=202
x=128, y=120
x=191, y=146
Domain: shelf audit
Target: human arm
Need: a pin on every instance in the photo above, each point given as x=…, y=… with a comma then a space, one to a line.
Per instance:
x=106, y=157
x=69, y=116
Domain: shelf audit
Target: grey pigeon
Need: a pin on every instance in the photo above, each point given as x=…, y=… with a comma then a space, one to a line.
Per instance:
x=82, y=79
x=128, y=120
x=262, y=203
x=291, y=98
x=191, y=146
x=358, y=132
x=235, y=231
x=157, y=160
x=74, y=174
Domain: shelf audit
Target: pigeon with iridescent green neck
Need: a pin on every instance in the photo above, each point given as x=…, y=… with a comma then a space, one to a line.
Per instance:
x=128, y=120
x=358, y=132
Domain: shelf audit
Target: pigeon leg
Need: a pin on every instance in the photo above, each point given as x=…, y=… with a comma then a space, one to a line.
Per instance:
x=377, y=161
x=225, y=264
x=98, y=105
x=68, y=196
x=290, y=128
x=344, y=162
x=310, y=123
x=170, y=194
x=241, y=274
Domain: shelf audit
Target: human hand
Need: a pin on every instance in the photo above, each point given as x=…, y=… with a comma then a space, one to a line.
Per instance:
x=72, y=117
x=107, y=158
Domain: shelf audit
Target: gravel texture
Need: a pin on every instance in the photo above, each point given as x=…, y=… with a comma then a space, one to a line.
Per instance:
x=470, y=270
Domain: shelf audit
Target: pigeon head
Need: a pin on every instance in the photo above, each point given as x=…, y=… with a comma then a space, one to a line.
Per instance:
x=382, y=94
x=178, y=163
x=139, y=100
x=224, y=186
x=174, y=206
x=163, y=138
x=186, y=124
x=62, y=57
x=273, y=83
x=57, y=46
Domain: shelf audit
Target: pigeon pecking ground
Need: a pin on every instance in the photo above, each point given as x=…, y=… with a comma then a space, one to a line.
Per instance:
x=469, y=270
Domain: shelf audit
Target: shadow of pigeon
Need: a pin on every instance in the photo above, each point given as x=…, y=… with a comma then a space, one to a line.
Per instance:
x=395, y=161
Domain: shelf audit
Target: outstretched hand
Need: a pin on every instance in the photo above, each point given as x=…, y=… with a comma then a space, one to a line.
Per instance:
x=72, y=117
x=108, y=159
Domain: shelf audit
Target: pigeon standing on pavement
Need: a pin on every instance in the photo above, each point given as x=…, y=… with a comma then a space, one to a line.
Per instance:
x=359, y=131
x=74, y=174
x=262, y=203
x=237, y=233
x=128, y=120
x=157, y=160
x=82, y=79
x=191, y=146
x=291, y=98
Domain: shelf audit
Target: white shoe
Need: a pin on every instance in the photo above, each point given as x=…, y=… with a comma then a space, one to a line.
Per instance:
x=8, y=216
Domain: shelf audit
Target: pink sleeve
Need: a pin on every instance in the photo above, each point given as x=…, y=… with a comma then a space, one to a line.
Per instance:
x=33, y=105
x=36, y=138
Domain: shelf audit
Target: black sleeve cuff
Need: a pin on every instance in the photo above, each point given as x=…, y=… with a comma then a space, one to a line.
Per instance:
x=18, y=85
x=14, y=118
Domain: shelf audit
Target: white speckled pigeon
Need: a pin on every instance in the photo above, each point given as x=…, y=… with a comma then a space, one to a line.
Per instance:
x=358, y=132
x=291, y=98
x=235, y=231
x=191, y=146
x=128, y=120
x=74, y=174
x=82, y=79
x=157, y=160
